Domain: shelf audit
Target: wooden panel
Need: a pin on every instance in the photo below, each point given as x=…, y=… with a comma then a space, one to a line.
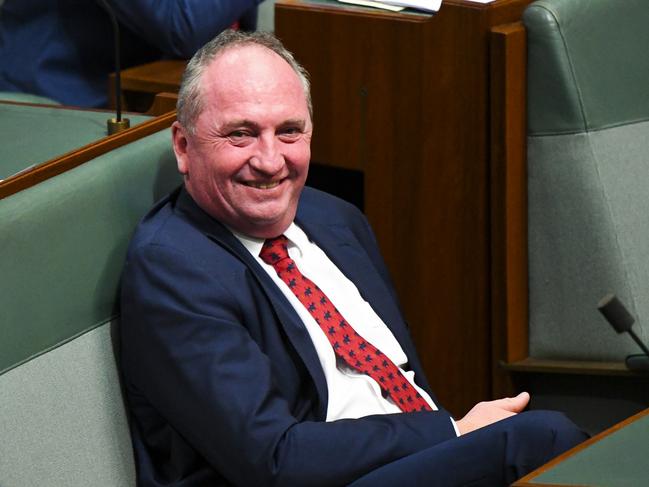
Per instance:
x=509, y=296
x=163, y=103
x=154, y=77
x=141, y=83
x=405, y=99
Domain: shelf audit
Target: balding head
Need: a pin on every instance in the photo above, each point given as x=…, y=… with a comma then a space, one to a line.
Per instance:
x=190, y=101
x=246, y=157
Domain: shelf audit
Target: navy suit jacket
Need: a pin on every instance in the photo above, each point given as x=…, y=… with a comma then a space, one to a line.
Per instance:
x=222, y=379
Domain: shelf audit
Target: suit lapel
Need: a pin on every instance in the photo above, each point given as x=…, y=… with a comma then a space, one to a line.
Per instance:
x=340, y=245
x=286, y=315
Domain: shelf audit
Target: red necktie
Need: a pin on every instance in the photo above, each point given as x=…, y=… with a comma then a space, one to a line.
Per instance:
x=358, y=353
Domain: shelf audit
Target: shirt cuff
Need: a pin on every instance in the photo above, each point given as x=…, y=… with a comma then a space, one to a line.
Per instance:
x=457, y=431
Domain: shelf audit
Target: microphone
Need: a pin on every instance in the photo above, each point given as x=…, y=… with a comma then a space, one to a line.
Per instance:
x=621, y=320
x=116, y=124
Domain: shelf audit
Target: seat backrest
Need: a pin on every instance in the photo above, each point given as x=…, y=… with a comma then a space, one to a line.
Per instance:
x=588, y=173
x=63, y=242
x=26, y=97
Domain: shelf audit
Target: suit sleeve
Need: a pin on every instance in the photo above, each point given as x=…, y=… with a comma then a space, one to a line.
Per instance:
x=185, y=348
x=180, y=27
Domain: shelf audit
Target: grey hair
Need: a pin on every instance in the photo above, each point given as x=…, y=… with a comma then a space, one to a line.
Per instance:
x=190, y=101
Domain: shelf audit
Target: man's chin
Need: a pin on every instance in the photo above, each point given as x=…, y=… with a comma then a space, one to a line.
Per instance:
x=264, y=226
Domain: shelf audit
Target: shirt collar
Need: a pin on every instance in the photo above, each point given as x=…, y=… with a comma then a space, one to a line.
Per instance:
x=296, y=236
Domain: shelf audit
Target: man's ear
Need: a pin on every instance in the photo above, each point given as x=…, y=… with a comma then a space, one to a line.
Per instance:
x=180, y=143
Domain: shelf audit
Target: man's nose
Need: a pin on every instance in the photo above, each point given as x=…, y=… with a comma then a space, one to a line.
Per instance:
x=268, y=157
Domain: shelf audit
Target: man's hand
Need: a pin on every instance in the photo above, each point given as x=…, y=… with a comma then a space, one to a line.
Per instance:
x=488, y=412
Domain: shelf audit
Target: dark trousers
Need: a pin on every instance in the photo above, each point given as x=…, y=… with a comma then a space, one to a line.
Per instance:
x=492, y=456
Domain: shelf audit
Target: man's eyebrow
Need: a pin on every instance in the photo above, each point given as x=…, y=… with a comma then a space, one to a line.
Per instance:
x=234, y=124
x=245, y=123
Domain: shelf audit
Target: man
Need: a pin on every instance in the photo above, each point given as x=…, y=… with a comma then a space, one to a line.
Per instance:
x=262, y=342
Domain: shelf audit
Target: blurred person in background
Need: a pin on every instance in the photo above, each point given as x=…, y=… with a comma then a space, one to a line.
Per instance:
x=63, y=49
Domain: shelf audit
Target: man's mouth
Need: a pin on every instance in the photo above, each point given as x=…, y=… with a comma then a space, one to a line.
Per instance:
x=270, y=185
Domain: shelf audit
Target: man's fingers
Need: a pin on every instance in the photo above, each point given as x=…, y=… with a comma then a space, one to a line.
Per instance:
x=488, y=412
x=514, y=404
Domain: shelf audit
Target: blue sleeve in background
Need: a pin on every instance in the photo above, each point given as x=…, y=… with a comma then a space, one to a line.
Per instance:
x=63, y=49
x=179, y=27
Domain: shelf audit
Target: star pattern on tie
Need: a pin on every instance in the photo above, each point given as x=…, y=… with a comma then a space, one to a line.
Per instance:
x=348, y=345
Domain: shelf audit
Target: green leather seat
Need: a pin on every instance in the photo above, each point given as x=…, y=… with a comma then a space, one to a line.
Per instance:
x=35, y=134
x=63, y=242
x=588, y=170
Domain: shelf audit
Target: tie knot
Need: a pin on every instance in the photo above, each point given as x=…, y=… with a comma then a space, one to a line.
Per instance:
x=274, y=250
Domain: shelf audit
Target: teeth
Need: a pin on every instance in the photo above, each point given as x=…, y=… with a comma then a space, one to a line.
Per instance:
x=264, y=185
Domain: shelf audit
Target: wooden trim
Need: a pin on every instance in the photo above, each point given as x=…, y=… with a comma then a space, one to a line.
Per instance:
x=575, y=367
x=108, y=112
x=526, y=481
x=77, y=157
x=509, y=273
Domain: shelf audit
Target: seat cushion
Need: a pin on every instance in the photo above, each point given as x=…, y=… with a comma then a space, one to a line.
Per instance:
x=62, y=418
x=588, y=170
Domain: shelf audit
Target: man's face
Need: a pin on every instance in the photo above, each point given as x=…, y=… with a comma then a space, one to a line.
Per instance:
x=248, y=158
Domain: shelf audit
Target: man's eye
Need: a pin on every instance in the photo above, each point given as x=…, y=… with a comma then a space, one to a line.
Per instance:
x=239, y=137
x=290, y=133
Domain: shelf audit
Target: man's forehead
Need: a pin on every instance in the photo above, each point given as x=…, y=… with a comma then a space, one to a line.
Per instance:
x=241, y=62
x=234, y=52
x=250, y=73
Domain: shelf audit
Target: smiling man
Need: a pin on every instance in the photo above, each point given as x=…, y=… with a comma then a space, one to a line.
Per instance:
x=262, y=342
x=245, y=158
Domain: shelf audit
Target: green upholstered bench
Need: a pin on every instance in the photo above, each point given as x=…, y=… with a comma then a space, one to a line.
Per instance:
x=35, y=134
x=588, y=174
x=63, y=242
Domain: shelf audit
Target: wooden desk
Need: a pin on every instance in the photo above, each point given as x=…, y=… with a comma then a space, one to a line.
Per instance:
x=616, y=457
x=141, y=83
x=405, y=98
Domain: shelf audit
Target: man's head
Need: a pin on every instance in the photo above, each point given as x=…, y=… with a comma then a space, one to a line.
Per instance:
x=242, y=140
